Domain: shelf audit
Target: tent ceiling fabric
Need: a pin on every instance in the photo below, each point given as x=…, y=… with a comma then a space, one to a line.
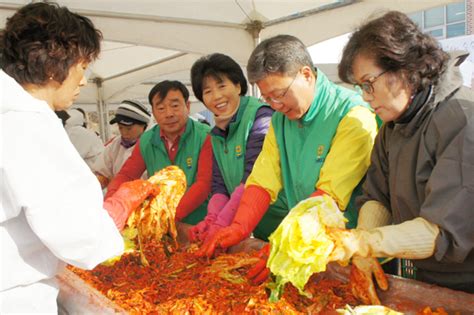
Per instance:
x=146, y=41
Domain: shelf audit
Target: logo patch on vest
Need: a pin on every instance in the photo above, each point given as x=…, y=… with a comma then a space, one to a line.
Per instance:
x=189, y=162
x=319, y=154
x=238, y=151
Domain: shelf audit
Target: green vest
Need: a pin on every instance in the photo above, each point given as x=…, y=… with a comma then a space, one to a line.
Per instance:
x=304, y=144
x=230, y=151
x=156, y=157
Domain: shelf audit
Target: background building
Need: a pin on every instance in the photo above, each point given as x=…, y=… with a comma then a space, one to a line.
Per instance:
x=447, y=21
x=453, y=26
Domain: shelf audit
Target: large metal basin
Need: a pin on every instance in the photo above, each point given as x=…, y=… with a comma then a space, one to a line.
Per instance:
x=404, y=295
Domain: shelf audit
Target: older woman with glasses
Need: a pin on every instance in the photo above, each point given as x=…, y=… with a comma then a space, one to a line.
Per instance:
x=241, y=125
x=418, y=196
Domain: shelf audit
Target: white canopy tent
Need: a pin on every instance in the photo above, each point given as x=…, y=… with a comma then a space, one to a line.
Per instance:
x=146, y=41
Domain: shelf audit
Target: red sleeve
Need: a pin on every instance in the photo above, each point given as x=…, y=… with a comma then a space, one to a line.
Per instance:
x=199, y=191
x=132, y=169
x=319, y=192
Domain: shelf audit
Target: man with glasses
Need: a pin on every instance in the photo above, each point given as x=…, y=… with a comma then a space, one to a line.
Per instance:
x=175, y=140
x=319, y=142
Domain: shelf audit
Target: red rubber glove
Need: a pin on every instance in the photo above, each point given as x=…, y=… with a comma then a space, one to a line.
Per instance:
x=362, y=284
x=127, y=198
x=223, y=238
x=259, y=273
x=253, y=205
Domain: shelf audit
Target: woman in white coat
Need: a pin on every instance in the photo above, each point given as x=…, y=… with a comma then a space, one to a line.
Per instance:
x=51, y=211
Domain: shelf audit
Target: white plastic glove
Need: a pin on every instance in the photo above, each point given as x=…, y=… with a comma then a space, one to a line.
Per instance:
x=373, y=214
x=414, y=239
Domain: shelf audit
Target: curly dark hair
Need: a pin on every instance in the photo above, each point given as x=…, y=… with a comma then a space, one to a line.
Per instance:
x=216, y=65
x=396, y=44
x=43, y=40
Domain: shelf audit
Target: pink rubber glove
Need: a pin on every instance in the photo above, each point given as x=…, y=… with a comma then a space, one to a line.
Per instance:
x=226, y=215
x=215, y=205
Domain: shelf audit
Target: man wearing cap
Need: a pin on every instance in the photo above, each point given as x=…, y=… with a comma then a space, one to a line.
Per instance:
x=175, y=140
x=132, y=118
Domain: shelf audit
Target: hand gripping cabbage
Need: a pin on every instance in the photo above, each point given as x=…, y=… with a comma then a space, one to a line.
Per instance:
x=301, y=246
x=155, y=218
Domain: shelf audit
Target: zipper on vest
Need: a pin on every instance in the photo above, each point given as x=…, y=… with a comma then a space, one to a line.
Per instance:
x=225, y=147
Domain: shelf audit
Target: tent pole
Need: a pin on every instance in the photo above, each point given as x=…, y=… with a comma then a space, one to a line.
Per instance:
x=102, y=110
x=255, y=91
x=254, y=28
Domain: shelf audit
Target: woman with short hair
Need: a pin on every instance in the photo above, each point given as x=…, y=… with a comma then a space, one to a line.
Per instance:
x=51, y=211
x=418, y=195
x=241, y=125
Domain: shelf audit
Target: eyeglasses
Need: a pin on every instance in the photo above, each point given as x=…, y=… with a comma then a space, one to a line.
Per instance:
x=277, y=99
x=367, y=86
